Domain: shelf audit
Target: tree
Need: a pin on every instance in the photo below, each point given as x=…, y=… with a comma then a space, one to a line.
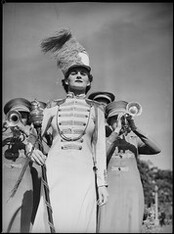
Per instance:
x=151, y=176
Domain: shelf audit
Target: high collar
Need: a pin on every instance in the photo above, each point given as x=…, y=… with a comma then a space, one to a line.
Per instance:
x=72, y=95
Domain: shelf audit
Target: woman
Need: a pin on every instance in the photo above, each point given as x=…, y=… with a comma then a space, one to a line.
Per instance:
x=75, y=150
x=124, y=210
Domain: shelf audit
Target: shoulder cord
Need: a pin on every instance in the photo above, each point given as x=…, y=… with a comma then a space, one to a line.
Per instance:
x=95, y=138
x=68, y=138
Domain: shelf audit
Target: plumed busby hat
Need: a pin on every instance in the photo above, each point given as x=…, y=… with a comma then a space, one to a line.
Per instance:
x=67, y=50
x=17, y=104
x=115, y=107
x=109, y=97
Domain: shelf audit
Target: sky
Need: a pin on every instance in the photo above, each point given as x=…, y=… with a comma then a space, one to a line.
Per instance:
x=130, y=47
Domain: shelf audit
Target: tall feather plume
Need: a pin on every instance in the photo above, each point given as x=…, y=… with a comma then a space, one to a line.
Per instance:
x=55, y=43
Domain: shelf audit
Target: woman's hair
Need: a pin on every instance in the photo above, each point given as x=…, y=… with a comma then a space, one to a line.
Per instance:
x=65, y=86
x=26, y=116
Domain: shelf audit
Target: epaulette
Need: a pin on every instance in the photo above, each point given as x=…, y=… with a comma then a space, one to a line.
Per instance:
x=53, y=103
x=94, y=103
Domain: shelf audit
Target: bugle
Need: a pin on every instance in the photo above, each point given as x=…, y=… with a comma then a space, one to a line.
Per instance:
x=134, y=108
x=14, y=117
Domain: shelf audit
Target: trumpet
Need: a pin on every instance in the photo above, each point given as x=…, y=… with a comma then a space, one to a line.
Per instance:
x=14, y=118
x=134, y=108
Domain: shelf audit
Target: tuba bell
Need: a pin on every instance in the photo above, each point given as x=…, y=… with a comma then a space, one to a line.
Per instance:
x=134, y=108
x=14, y=117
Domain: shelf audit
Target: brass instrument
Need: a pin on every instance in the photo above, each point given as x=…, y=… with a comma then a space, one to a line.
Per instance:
x=14, y=118
x=134, y=108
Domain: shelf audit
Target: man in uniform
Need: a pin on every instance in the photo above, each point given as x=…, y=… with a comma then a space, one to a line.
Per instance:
x=20, y=190
x=104, y=98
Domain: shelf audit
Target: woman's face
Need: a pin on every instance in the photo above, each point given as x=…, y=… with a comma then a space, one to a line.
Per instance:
x=78, y=79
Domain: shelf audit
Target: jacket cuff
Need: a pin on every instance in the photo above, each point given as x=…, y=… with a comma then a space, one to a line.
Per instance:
x=102, y=179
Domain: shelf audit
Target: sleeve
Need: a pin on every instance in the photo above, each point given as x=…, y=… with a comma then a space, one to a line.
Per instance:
x=145, y=144
x=101, y=150
x=48, y=114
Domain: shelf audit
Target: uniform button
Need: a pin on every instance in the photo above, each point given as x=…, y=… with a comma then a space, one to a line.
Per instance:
x=119, y=169
x=80, y=147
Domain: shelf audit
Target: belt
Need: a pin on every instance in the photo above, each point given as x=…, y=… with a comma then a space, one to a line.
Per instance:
x=71, y=146
x=119, y=168
x=71, y=122
x=123, y=155
x=12, y=165
x=72, y=131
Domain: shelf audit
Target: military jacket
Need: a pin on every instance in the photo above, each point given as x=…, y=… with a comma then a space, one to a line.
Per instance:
x=78, y=125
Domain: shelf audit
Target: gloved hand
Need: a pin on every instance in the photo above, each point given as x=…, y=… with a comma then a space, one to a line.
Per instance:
x=131, y=122
x=119, y=128
x=38, y=157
